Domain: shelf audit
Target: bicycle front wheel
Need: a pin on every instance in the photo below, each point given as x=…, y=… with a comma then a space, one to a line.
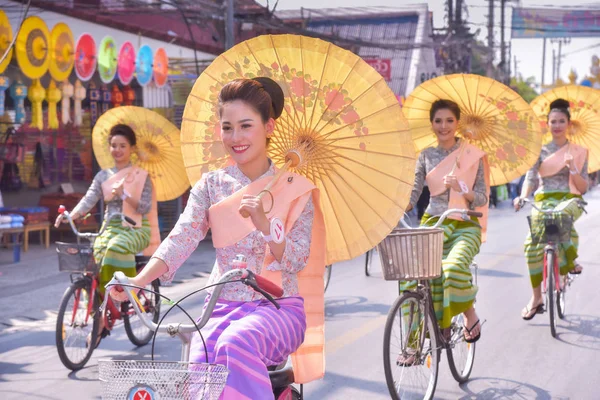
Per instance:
x=410, y=349
x=76, y=328
x=550, y=290
x=461, y=355
x=136, y=331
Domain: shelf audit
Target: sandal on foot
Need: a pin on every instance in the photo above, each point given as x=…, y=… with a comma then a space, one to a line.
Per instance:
x=473, y=339
x=407, y=358
x=531, y=312
x=577, y=270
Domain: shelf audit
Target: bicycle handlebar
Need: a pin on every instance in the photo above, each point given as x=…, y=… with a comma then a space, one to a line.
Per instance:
x=580, y=203
x=465, y=213
x=258, y=283
x=90, y=235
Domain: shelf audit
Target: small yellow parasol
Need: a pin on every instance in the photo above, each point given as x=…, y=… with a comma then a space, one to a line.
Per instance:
x=493, y=117
x=339, y=116
x=62, y=54
x=32, y=47
x=585, y=117
x=158, y=148
x=6, y=38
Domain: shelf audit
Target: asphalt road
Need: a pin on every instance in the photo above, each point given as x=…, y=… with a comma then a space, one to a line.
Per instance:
x=515, y=359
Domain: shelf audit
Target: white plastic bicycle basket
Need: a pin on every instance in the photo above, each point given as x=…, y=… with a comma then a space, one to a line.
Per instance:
x=161, y=380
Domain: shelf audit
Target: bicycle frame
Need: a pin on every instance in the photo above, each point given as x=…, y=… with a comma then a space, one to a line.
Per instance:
x=90, y=236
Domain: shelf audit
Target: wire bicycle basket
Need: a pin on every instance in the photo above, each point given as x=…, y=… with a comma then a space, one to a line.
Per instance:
x=552, y=227
x=164, y=380
x=412, y=254
x=76, y=257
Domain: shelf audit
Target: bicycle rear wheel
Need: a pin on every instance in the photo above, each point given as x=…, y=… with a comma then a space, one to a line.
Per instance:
x=461, y=355
x=74, y=325
x=410, y=349
x=136, y=331
x=550, y=290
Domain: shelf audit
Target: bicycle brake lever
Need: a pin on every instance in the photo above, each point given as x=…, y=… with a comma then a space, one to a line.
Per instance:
x=252, y=283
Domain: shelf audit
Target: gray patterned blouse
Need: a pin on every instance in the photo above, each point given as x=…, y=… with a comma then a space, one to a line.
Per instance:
x=428, y=160
x=554, y=183
x=94, y=194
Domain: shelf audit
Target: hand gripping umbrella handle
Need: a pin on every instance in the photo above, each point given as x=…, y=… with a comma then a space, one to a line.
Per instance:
x=292, y=159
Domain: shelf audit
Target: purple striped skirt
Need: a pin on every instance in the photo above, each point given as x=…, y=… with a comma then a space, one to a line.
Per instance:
x=247, y=337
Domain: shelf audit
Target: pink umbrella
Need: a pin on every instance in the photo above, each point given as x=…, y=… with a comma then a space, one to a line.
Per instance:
x=126, y=63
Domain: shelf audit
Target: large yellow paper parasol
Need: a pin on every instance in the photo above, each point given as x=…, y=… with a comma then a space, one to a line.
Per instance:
x=33, y=47
x=493, y=117
x=62, y=54
x=6, y=37
x=585, y=117
x=339, y=115
x=158, y=148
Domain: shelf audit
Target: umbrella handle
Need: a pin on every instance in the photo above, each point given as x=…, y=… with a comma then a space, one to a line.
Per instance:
x=283, y=170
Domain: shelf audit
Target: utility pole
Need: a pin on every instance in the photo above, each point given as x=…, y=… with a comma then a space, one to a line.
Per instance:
x=516, y=73
x=502, y=42
x=543, y=64
x=229, y=11
x=558, y=59
x=553, y=66
x=490, y=60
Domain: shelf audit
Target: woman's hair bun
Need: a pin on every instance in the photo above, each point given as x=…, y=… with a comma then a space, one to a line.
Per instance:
x=276, y=93
x=560, y=104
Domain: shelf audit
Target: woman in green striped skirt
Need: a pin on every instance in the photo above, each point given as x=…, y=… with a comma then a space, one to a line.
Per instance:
x=125, y=189
x=454, y=291
x=561, y=174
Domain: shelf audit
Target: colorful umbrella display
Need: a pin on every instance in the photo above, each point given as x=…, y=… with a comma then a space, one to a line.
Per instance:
x=126, y=63
x=6, y=37
x=85, y=57
x=107, y=59
x=62, y=54
x=143, y=65
x=160, y=67
x=32, y=48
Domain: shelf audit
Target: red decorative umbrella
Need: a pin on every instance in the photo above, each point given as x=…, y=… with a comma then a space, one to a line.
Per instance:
x=85, y=57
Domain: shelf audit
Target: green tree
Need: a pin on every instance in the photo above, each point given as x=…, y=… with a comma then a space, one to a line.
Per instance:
x=524, y=87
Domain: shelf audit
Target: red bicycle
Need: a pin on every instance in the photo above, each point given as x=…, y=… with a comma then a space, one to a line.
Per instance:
x=78, y=319
x=553, y=227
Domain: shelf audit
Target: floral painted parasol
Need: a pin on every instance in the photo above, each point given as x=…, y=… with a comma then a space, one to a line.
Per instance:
x=493, y=117
x=340, y=117
x=585, y=117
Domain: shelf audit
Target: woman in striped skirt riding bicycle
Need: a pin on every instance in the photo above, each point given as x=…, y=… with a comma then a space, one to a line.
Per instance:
x=125, y=189
x=455, y=172
x=562, y=168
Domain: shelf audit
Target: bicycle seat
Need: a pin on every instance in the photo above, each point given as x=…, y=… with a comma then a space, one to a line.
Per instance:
x=281, y=377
